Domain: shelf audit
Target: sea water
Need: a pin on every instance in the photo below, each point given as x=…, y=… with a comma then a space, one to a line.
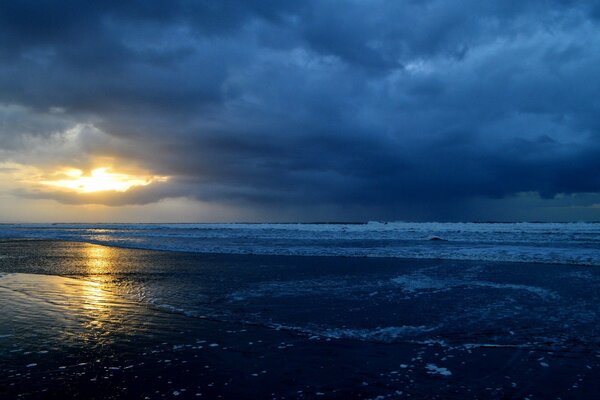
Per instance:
x=168, y=312
x=455, y=302
x=553, y=243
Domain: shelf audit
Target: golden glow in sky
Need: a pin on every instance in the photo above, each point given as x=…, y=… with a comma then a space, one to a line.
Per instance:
x=99, y=180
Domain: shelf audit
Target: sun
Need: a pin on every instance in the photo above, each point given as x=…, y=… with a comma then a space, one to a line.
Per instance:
x=99, y=180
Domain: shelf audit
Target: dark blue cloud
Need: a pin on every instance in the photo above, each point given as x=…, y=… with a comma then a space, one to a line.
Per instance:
x=403, y=109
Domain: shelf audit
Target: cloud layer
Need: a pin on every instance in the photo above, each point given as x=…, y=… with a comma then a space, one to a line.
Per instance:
x=382, y=109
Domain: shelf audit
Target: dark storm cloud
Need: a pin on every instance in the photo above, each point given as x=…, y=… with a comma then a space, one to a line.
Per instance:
x=381, y=104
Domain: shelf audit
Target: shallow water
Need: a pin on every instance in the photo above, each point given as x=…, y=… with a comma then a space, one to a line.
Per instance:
x=98, y=310
x=384, y=300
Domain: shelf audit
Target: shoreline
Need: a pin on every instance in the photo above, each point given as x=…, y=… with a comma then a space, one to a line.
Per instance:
x=342, y=256
x=369, y=327
x=190, y=358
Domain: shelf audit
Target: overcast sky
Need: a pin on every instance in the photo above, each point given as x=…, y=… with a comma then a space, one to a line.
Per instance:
x=303, y=110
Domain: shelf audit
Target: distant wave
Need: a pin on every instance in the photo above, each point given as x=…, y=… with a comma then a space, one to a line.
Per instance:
x=555, y=243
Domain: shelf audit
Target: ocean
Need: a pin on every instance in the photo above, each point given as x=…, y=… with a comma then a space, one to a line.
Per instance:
x=549, y=243
x=376, y=310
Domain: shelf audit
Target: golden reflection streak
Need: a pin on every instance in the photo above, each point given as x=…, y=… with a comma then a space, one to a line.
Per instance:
x=88, y=308
x=97, y=299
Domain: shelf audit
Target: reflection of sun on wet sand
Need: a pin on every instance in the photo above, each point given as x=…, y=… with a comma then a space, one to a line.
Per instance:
x=81, y=309
x=75, y=309
x=442, y=329
x=95, y=298
x=98, y=259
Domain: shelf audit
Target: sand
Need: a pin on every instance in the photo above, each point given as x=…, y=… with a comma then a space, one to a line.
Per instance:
x=90, y=335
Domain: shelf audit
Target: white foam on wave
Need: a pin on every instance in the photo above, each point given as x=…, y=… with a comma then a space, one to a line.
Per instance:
x=566, y=243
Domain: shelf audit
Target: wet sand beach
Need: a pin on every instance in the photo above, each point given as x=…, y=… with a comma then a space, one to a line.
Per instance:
x=87, y=321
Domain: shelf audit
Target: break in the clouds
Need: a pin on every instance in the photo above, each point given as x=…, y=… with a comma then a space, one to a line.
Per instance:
x=309, y=110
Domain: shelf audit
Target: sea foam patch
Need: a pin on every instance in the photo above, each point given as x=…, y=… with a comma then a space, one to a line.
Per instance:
x=385, y=334
x=419, y=282
x=433, y=369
